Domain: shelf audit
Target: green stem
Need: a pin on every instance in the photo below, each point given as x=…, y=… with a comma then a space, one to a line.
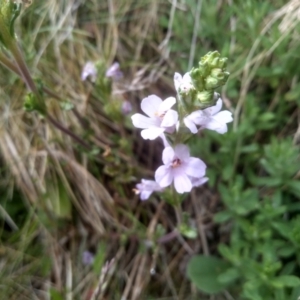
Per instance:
x=177, y=206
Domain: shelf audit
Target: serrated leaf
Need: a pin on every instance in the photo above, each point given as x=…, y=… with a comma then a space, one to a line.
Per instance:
x=203, y=271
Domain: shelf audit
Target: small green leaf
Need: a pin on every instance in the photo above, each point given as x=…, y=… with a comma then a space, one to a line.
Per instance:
x=203, y=271
x=222, y=216
x=286, y=281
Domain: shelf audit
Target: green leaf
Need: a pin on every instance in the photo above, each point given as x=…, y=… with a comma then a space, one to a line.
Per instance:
x=203, y=271
x=294, y=187
x=222, y=216
x=229, y=276
x=286, y=281
x=99, y=258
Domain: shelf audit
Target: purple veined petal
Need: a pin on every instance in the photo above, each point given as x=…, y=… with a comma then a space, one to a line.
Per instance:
x=150, y=105
x=141, y=121
x=195, y=167
x=199, y=117
x=182, y=152
x=224, y=116
x=198, y=181
x=182, y=183
x=151, y=133
x=190, y=125
x=216, y=126
x=166, y=105
x=168, y=155
x=163, y=176
x=214, y=109
x=170, y=118
x=177, y=80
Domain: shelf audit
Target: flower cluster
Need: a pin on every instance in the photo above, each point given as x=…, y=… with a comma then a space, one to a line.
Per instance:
x=198, y=108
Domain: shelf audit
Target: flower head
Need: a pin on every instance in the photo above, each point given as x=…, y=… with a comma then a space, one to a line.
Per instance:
x=146, y=188
x=87, y=258
x=161, y=117
x=179, y=167
x=114, y=71
x=126, y=107
x=89, y=69
x=183, y=84
x=210, y=118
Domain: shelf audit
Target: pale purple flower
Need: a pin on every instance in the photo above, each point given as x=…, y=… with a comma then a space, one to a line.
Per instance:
x=210, y=118
x=161, y=117
x=126, y=107
x=179, y=167
x=114, y=71
x=89, y=70
x=87, y=258
x=183, y=84
x=146, y=188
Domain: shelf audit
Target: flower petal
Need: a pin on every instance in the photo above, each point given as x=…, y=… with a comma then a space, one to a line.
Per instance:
x=182, y=152
x=150, y=105
x=151, y=133
x=170, y=118
x=199, y=117
x=168, y=155
x=216, y=126
x=177, y=80
x=224, y=116
x=195, y=167
x=144, y=195
x=141, y=121
x=214, y=109
x=163, y=176
x=199, y=181
x=182, y=183
x=166, y=105
x=190, y=125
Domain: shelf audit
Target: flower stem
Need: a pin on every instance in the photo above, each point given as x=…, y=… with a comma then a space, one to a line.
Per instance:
x=23, y=70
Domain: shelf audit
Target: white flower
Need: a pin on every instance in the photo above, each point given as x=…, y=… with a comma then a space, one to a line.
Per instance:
x=179, y=167
x=183, y=84
x=210, y=118
x=146, y=188
x=89, y=69
x=161, y=117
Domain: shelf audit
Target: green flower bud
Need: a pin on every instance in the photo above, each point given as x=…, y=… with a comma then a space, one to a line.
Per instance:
x=216, y=78
x=9, y=11
x=211, y=83
x=205, y=99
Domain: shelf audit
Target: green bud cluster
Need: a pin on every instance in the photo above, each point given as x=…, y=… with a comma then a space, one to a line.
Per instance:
x=208, y=76
x=9, y=11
